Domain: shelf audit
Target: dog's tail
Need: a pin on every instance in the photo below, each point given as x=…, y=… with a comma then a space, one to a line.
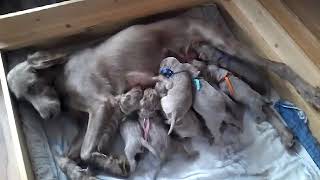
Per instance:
x=149, y=147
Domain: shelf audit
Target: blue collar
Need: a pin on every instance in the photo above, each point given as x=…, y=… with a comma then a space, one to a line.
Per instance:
x=167, y=72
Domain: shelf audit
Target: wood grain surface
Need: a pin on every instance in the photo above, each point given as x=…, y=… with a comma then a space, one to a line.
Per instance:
x=8, y=162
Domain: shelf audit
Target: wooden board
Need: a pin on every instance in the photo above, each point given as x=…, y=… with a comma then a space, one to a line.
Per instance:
x=18, y=166
x=308, y=12
x=264, y=33
x=295, y=28
x=9, y=163
x=70, y=17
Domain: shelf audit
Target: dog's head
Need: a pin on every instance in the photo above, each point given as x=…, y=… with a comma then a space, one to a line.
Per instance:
x=129, y=101
x=26, y=83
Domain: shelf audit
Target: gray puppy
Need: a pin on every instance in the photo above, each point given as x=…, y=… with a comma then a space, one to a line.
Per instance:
x=122, y=105
x=176, y=91
x=251, y=74
x=156, y=139
x=248, y=97
x=131, y=134
x=239, y=91
x=212, y=104
x=189, y=127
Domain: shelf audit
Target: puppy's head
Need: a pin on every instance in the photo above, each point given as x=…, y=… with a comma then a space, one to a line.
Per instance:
x=200, y=65
x=193, y=71
x=150, y=100
x=170, y=62
x=25, y=83
x=216, y=72
x=130, y=101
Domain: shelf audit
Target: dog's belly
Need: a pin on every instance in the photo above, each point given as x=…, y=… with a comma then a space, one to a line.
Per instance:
x=127, y=59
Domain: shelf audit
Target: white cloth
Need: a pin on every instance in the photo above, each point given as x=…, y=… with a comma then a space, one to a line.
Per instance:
x=255, y=153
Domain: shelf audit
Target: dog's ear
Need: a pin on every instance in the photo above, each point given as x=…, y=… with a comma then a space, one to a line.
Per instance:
x=42, y=59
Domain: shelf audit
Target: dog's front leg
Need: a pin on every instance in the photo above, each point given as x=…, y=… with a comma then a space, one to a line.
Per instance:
x=99, y=114
x=100, y=120
x=75, y=148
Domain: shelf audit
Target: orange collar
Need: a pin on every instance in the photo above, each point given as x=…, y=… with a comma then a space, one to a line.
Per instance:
x=228, y=81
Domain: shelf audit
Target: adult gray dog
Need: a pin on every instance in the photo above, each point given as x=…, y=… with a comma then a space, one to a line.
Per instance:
x=90, y=79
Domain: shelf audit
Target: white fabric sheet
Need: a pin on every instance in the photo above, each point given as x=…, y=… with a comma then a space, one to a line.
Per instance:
x=254, y=154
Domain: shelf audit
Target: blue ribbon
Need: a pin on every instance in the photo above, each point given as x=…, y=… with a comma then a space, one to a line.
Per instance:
x=197, y=83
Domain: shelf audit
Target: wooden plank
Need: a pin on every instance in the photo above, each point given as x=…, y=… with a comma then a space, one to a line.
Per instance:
x=278, y=39
x=257, y=28
x=308, y=12
x=70, y=17
x=14, y=142
x=9, y=163
x=295, y=28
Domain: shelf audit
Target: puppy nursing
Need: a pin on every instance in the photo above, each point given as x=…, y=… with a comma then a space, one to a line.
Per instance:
x=155, y=139
x=211, y=104
x=177, y=89
x=238, y=90
x=149, y=132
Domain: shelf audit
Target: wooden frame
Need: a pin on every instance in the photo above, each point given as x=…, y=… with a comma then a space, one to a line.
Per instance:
x=269, y=37
x=257, y=23
x=20, y=155
x=74, y=16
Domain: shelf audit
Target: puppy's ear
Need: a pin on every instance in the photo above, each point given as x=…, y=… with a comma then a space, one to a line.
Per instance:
x=42, y=60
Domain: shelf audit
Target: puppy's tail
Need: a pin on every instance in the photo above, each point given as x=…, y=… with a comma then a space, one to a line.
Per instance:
x=172, y=123
x=148, y=146
x=277, y=122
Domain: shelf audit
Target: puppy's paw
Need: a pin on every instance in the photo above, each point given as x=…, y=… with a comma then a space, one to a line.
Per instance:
x=316, y=99
x=260, y=117
x=211, y=141
x=112, y=164
x=193, y=155
x=287, y=139
x=72, y=170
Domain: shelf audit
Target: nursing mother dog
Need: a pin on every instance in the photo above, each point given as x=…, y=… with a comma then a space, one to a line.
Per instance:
x=89, y=80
